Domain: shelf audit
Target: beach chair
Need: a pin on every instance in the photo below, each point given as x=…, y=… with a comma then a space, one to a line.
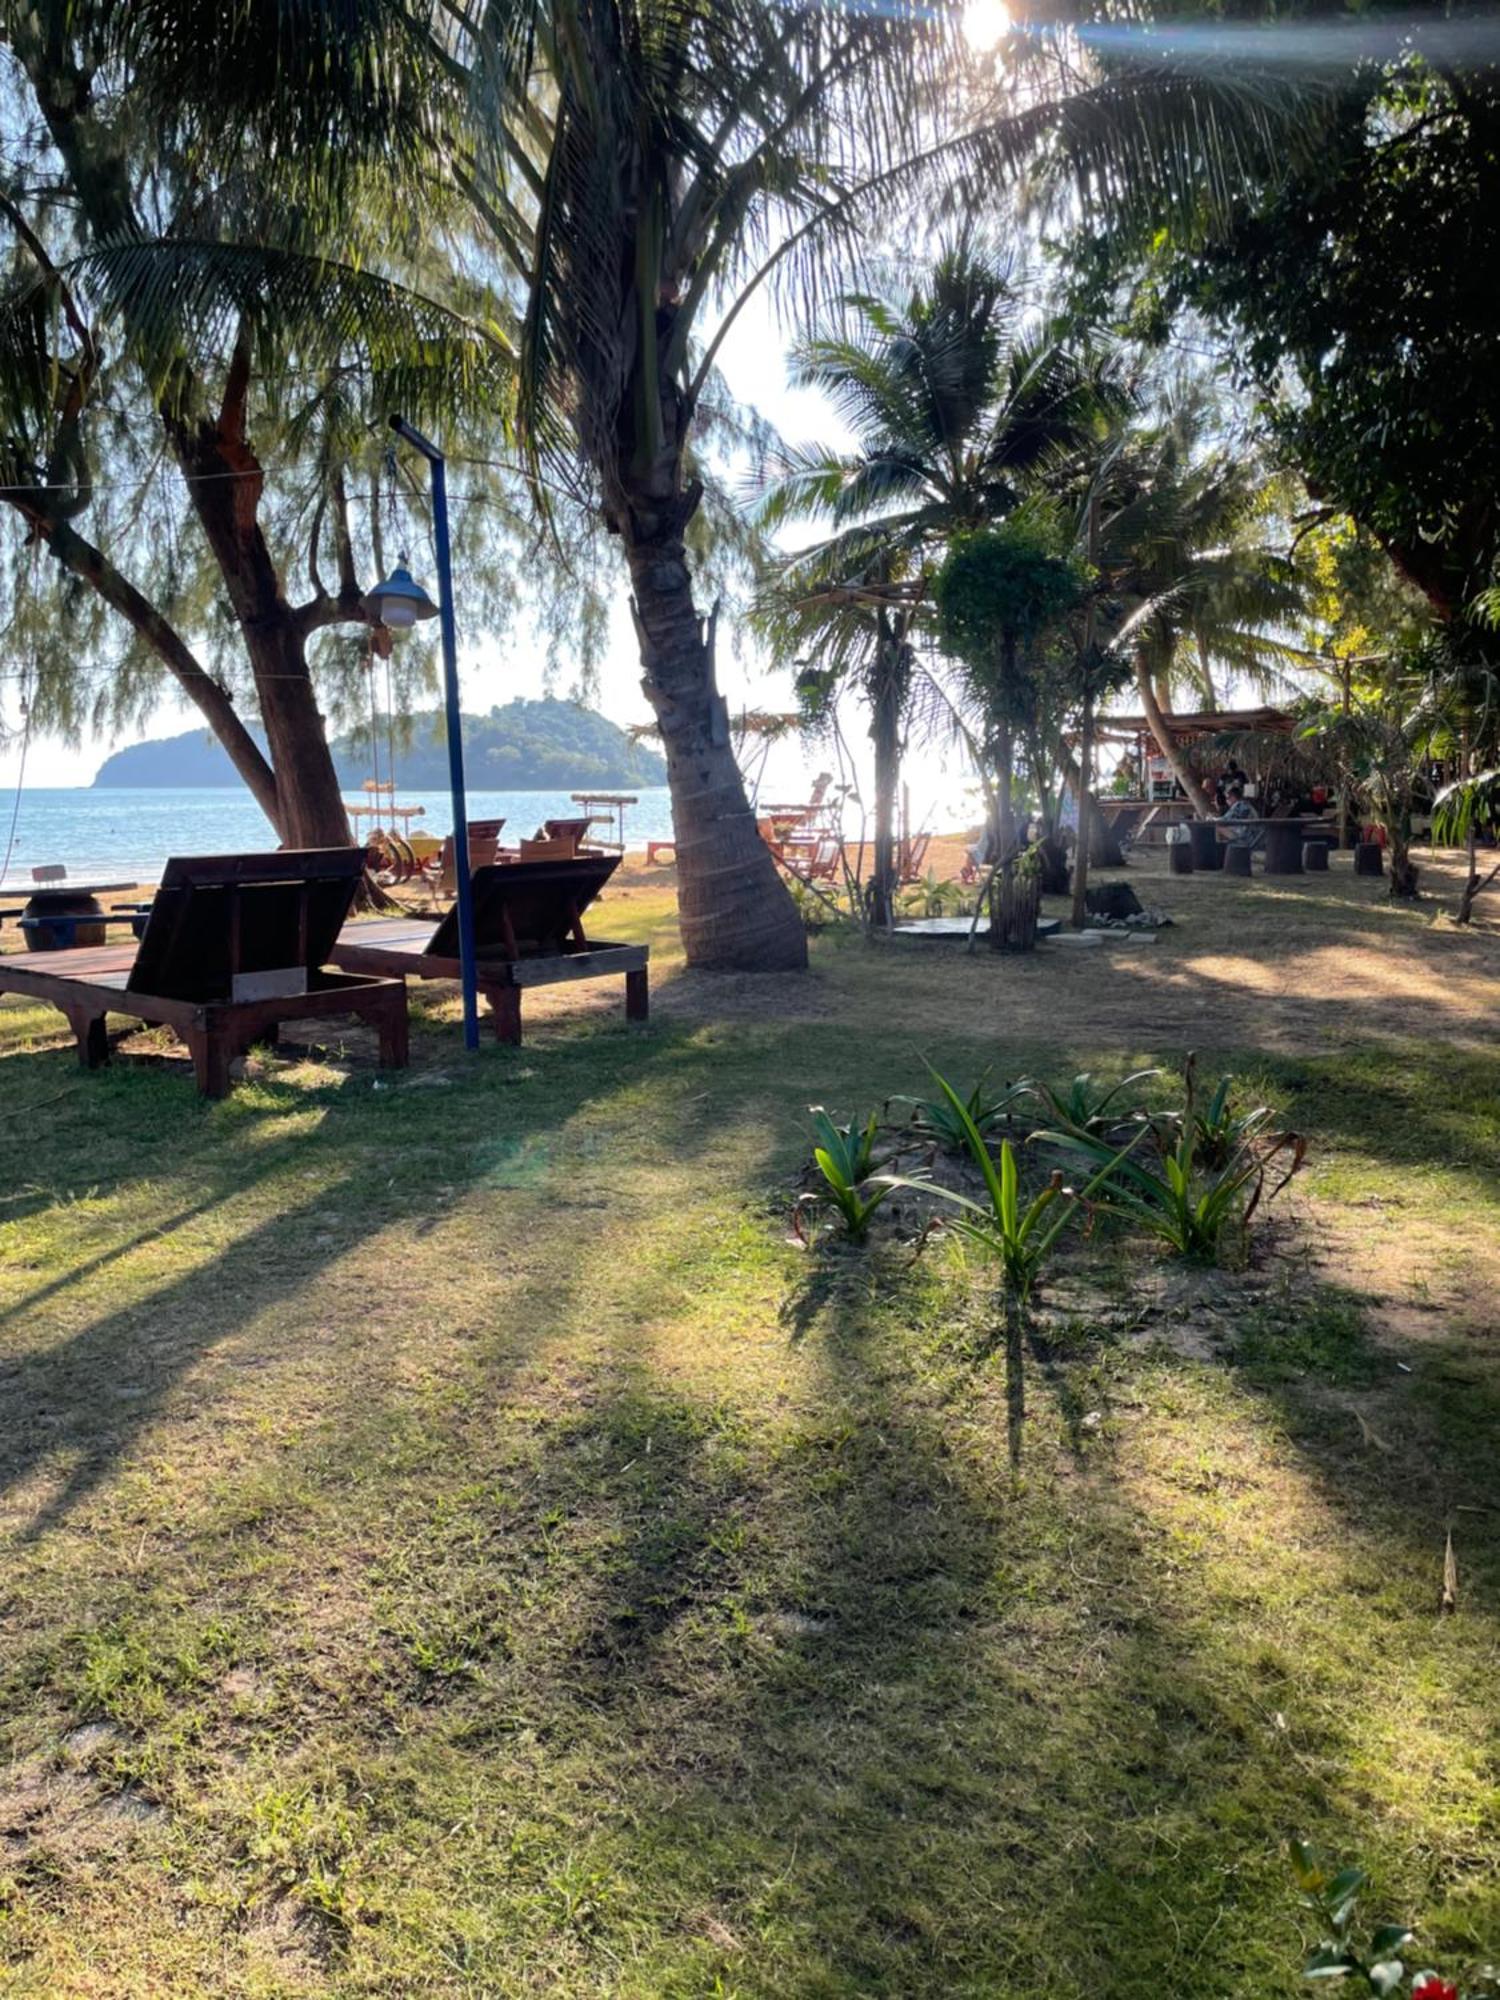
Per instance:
x=911, y=858
x=233, y=945
x=814, y=860
x=575, y=831
x=528, y=931
x=562, y=849
x=484, y=842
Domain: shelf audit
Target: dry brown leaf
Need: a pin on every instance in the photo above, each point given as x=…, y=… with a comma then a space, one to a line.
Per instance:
x=1450, y=1577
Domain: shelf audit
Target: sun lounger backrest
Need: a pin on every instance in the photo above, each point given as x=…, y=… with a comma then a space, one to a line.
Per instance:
x=245, y=926
x=484, y=838
x=528, y=909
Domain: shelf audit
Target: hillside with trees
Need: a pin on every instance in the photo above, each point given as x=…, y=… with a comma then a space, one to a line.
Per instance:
x=525, y=746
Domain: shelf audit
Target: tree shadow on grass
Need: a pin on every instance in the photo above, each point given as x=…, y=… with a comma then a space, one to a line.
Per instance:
x=864, y=1719
x=83, y=1402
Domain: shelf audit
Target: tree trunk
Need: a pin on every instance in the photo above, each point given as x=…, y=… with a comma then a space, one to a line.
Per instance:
x=1206, y=669
x=1085, y=813
x=1004, y=759
x=225, y=483
x=1182, y=770
x=1403, y=870
x=885, y=733
x=736, y=913
x=307, y=785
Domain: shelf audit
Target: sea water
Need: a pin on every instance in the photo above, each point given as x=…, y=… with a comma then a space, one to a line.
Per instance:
x=115, y=833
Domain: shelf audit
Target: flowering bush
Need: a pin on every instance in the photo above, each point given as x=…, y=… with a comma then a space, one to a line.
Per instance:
x=1332, y=1893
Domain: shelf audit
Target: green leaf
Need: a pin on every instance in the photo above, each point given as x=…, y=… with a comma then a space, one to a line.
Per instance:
x=1345, y=1886
x=1330, y=1961
x=1307, y=1867
x=1389, y=1938
x=1009, y=1180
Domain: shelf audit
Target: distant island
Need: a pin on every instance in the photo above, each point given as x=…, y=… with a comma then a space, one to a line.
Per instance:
x=526, y=746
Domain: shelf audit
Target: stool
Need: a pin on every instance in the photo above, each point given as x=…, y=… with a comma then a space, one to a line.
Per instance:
x=1237, y=858
x=1180, y=858
x=1369, y=858
x=1315, y=857
x=1207, y=848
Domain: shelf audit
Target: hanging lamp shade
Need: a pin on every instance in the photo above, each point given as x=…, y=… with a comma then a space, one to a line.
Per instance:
x=400, y=601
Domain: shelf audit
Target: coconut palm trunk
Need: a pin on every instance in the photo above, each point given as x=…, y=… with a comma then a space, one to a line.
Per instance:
x=734, y=910
x=1182, y=770
x=885, y=733
x=1085, y=812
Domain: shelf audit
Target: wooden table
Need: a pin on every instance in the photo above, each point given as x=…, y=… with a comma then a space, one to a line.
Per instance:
x=57, y=914
x=1283, y=839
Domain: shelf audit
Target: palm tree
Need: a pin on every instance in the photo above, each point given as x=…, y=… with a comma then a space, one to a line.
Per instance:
x=955, y=411
x=646, y=166
x=1181, y=544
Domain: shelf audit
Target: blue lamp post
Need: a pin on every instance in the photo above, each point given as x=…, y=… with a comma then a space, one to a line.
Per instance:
x=399, y=602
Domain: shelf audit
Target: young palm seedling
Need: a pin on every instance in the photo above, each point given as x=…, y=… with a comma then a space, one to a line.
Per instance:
x=1083, y=1106
x=1018, y=1237
x=934, y=1119
x=1220, y=1131
x=844, y=1157
x=1184, y=1198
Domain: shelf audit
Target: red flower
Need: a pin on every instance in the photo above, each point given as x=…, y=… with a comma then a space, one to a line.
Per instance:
x=1430, y=1987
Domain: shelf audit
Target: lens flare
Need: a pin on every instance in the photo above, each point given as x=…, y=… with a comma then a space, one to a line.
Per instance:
x=986, y=23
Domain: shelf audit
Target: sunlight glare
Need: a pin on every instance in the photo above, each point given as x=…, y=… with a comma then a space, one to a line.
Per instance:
x=985, y=23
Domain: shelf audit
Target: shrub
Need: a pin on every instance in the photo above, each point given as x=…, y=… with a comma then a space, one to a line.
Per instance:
x=1209, y=1177
x=1018, y=1238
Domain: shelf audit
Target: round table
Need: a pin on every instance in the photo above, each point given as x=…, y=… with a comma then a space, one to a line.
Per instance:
x=1282, y=840
x=74, y=902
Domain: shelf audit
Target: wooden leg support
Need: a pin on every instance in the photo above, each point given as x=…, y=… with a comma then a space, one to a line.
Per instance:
x=212, y=1056
x=394, y=1036
x=93, y=1042
x=505, y=1005
x=637, y=996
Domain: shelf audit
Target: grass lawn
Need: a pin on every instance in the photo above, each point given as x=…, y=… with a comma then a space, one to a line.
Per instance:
x=457, y=1543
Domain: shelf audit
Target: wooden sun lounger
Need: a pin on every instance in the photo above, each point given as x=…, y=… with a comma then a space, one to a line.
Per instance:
x=528, y=925
x=233, y=946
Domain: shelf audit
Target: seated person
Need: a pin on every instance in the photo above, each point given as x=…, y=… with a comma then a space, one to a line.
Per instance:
x=1240, y=808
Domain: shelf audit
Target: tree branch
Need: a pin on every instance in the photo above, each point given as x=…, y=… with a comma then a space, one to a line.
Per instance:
x=81, y=559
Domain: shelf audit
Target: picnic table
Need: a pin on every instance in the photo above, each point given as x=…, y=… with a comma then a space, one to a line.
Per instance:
x=1283, y=839
x=58, y=915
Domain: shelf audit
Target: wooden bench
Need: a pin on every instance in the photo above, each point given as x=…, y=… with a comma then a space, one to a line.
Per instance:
x=528, y=929
x=233, y=946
